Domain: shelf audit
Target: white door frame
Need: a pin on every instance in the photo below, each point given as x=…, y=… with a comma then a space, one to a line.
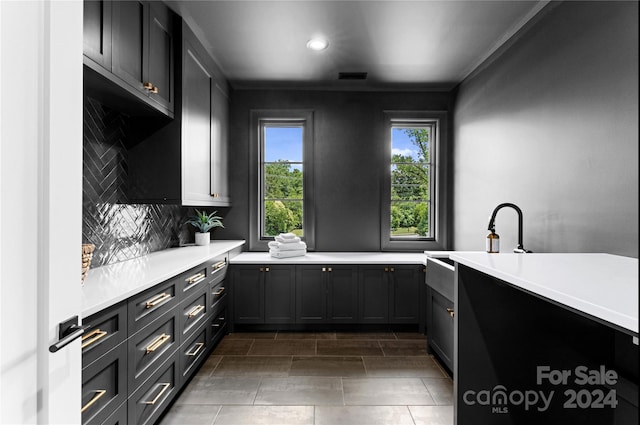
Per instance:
x=40, y=208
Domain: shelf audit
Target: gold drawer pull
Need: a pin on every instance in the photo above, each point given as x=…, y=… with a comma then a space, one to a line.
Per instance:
x=148, y=86
x=99, y=393
x=219, y=265
x=165, y=387
x=197, y=347
x=157, y=299
x=157, y=343
x=196, y=278
x=194, y=311
x=219, y=291
x=451, y=312
x=92, y=337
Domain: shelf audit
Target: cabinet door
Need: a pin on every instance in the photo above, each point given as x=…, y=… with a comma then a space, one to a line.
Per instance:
x=279, y=294
x=440, y=327
x=97, y=32
x=373, y=293
x=342, y=294
x=159, y=72
x=404, y=297
x=197, y=85
x=248, y=295
x=311, y=294
x=219, y=141
x=129, y=23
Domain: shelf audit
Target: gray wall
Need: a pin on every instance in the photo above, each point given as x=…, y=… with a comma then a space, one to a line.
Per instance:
x=552, y=126
x=349, y=163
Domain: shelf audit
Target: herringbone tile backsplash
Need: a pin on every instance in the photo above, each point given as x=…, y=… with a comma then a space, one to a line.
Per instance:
x=119, y=230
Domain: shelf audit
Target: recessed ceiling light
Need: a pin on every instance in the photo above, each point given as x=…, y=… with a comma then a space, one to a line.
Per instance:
x=317, y=44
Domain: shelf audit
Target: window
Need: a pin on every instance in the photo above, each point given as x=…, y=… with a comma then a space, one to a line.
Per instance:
x=281, y=148
x=412, y=213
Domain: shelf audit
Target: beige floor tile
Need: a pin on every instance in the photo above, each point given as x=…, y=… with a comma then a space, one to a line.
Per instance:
x=265, y=415
x=386, y=392
x=233, y=347
x=283, y=347
x=209, y=365
x=363, y=415
x=251, y=335
x=191, y=415
x=207, y=390
x=440, y=389
x=327, y=366
x=410, y=335
x=300, y=391
x=432, y=415
x=365, y=335
x=306, y=335
x=275, y=366
x=402, y=367
x=407, y=347
x=348, y=347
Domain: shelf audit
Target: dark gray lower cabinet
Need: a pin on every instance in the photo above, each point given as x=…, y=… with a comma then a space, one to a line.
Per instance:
x=326, y=294
x=390, y=294
x=440, y=326
x=263, y=294
x=139, y=353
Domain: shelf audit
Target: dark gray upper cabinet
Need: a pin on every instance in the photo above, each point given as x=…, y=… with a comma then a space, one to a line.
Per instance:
x=97, y=32
x=326, y=294
x=129, y=45
x=185, y=161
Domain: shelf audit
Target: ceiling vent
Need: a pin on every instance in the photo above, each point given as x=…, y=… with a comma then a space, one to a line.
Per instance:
x=352, y=75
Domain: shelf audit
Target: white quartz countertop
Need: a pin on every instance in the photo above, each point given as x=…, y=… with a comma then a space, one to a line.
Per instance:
x=110, y=284
x=333, y=258
x=601, y=285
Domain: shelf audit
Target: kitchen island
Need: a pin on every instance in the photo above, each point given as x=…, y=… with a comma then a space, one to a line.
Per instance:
x=545, y=338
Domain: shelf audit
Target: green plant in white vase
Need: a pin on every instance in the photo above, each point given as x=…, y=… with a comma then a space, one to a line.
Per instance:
x=204, y=222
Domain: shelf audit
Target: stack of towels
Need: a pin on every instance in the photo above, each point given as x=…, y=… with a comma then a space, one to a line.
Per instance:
x=287, y=245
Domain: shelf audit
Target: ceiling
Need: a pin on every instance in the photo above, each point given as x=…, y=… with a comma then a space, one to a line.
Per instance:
x=413, y=44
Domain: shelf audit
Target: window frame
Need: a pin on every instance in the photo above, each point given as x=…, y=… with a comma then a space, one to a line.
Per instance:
x=282, y=118
x=438, y=184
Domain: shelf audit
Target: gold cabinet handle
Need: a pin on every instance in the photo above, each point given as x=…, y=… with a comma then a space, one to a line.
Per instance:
x=219, y=265
x=154, y=90
x=391, y=269
x=157, y=299
x=219, y=291
x=196, y=278
x=157, y=343
x=324, y=269
x=148, y=86
x=215, y=195
x=451, y=312
x=165, y=386
x=266, y=269
x=99, y=394
x=92, y=337
x=195, y=311
x=197, y=347
x=329, y=269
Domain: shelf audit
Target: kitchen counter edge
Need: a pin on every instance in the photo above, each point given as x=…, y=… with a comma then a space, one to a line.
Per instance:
x=108, y=285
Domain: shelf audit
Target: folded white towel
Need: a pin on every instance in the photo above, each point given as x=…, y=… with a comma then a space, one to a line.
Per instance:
x=294, y=239
x=287, y=235
x=287, y=246
x=287, y=254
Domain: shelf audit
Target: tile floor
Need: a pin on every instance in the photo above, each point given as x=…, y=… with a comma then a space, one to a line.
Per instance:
x=307, y=378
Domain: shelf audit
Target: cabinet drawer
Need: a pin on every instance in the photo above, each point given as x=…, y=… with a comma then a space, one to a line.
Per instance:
x=107, y=329
x=119, y=417
x=193, y=352
x=155, y=394
x=440, y=333
x=193, y=312
x=218, y=292
x=440, y=276
x=218, y=268
x=151, y=304
x=195, y=279
x=218, y=326
x=150, y=347
x=104, y=386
